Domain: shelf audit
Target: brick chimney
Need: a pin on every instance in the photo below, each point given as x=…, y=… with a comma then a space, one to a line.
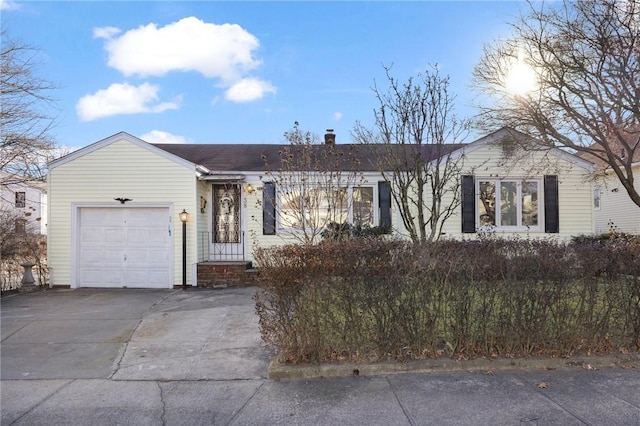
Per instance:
x=329, y=137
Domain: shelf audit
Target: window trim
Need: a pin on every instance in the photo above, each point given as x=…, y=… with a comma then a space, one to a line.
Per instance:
x=540, y=227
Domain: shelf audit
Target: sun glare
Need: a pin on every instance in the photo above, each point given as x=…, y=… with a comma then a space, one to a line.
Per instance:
x=521, y=79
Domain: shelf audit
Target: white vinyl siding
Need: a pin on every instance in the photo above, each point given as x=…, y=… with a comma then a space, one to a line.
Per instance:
x=617, y=212
x=203, y=215
x=118, y=169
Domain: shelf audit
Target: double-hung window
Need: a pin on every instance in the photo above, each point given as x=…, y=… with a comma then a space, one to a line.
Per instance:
x=362, y=211
x=509, y=204
x=597, y=198
x=21, y=200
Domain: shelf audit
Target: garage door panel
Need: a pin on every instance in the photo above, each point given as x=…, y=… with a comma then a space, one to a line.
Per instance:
x=124, y=247
x=137, y=258
x=103, y=277
x=145, y=237
x=114, y=235
x=145, y=278
x=137, y=278
x=102, y=217
x=92, y=235
x=159, y=236
x=147, y=217
x=93, y=258
x=158, y=257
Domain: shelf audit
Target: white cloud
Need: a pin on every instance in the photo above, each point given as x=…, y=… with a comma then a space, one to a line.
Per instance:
x=249, y=89
x=216, y=51
x=337, y=116
x=105, y=32
x=9, y=5
x=159, y=136
x=222, y=52
x=122, y=99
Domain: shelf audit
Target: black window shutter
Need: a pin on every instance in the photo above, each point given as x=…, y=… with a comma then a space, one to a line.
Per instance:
x=269, y=209
x=551, y=210
x=468, y=204
x=384, y=203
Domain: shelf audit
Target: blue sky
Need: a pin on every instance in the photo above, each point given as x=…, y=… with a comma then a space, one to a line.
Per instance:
x=242, y=72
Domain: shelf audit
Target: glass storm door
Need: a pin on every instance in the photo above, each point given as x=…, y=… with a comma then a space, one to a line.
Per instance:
x=227, y=238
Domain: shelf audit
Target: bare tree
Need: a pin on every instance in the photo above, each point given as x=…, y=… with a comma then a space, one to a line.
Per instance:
x=419, y=133
x=25, y=142
x=583, y=61
x=313, y=184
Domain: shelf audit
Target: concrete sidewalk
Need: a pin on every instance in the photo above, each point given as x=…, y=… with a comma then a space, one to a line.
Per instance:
x=173, y=357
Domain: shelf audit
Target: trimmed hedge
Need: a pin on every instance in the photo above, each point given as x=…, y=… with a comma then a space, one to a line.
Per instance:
x=376, y=299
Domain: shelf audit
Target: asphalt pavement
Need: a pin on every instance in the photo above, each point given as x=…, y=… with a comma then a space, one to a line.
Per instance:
x=195, y=357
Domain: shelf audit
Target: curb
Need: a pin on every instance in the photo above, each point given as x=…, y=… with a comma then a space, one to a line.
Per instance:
x=277, y=371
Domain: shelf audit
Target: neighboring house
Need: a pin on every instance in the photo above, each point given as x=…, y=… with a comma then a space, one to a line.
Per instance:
x=24, y=202
x=114, y=206
x=613, y=209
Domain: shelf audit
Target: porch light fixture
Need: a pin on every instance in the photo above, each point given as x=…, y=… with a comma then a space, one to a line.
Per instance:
x=184, y=216
x=250, y=189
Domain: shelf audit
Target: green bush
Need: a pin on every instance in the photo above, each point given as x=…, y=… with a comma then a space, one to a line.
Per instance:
x=342, y=231
x=379, y=299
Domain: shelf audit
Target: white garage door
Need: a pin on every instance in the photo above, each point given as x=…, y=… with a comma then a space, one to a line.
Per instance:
x=124, y=247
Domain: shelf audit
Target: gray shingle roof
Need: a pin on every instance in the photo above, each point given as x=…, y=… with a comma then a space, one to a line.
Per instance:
x=250, y=157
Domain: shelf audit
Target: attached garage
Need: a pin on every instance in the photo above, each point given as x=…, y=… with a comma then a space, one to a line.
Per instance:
x=128, y=247
x=114, y=216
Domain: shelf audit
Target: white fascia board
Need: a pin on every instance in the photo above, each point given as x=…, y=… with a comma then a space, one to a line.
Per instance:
x=202, y=170
x=573, y=159
x=115, y=138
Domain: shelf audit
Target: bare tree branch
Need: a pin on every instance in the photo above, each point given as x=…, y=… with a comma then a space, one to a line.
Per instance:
x=585, y=56
x=312, y=183
x=25, y=121
x=414, y=121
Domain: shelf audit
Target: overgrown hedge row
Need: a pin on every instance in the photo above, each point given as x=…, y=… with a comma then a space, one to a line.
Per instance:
x=375, y=299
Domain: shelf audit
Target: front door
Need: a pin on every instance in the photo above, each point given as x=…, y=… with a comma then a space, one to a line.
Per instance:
x=227, y=239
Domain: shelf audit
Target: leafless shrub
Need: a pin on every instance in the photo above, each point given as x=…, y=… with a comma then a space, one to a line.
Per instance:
x=17, y=248
x=377, y=299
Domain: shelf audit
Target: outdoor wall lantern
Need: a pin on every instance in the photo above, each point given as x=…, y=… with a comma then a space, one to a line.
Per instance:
x=184, y=216
x=250, y=189
x=203, y=204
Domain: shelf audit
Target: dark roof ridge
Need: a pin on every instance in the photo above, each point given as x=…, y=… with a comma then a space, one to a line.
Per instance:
x=250, y=157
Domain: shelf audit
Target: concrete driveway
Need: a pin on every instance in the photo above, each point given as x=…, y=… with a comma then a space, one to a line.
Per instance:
x=132, y=335
x=195, y=357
